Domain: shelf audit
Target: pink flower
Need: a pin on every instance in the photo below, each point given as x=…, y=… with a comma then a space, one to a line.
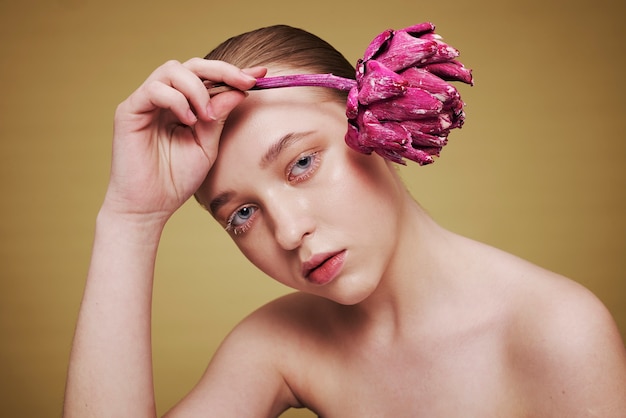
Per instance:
x=402, y=105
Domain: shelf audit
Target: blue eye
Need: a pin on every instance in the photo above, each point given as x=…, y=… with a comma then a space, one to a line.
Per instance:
x=303, y=167
x=238, y=221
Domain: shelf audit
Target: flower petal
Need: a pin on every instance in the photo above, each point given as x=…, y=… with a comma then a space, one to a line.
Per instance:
x=353, y=140
x=405, y=51
x=420, y=29
x=379, y=83
x=439, y=125
x=352, y=103
x=414, y=104
x=378, y=43
x=451, y=70
x=390, y=136
x=443, y=53
x=421, y=78
x=418, y=138
x=420, y=156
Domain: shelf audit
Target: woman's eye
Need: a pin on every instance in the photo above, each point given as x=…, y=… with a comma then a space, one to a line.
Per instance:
x=238, y=221
x=302, y=167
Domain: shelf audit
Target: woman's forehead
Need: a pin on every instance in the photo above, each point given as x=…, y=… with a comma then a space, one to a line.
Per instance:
x=262, y=121
x=274, y=113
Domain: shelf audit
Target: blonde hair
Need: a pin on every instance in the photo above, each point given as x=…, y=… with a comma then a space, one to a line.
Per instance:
x=284, y=46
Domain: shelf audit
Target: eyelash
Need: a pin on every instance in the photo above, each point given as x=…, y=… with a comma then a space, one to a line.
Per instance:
x=309, y=170
x=240, y=229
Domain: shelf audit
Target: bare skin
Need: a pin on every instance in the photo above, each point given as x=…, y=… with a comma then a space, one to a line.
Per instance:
x=416, y=321
x=482, y=356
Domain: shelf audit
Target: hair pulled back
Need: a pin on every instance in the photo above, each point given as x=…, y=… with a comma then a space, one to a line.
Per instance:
x=284, y=46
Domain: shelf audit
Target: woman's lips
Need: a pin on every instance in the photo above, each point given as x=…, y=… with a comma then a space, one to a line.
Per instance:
x=323, y=268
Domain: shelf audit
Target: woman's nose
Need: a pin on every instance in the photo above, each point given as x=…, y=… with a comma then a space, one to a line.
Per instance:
x=292, y=219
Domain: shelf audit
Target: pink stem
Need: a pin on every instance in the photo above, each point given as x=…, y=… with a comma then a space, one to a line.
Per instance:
x=305, y=80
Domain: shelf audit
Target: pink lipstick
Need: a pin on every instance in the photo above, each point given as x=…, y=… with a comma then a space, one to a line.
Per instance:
x=323, y=268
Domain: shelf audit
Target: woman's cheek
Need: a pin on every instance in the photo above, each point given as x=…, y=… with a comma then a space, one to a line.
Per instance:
x=261, y=250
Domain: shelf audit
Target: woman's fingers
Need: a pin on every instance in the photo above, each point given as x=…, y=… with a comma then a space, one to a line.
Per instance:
x=160, y=95
x=216, y=72
x=256, y=72
x=206, y=132
x=222, y=72
x=180, y=88
x=174, y=82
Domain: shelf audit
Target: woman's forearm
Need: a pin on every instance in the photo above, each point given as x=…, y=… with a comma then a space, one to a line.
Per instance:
x=165, y=140
x=110, y=372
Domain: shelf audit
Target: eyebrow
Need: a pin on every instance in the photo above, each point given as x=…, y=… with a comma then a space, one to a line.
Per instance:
x=220, y=200
x=272, y=153
x=284, y=142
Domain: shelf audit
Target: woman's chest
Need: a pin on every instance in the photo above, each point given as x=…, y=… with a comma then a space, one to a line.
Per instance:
x=471, y=378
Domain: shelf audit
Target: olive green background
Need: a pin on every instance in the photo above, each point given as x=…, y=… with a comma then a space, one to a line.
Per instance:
x=537, y=170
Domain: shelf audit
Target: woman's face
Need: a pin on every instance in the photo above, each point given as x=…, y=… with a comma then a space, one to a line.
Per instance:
x=302, y=206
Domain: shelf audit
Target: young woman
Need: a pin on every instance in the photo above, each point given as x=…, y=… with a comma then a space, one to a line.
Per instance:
x=394, y=316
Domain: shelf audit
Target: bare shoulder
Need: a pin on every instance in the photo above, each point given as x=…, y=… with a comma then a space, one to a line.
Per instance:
x=280, y=328
x=249, y=373
x=565, y=347
x=293, y=316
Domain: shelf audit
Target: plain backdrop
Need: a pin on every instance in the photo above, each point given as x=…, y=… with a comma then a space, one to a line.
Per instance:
x=538, y=169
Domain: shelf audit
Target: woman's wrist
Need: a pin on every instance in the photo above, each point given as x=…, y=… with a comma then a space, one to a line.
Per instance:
x=139, y=228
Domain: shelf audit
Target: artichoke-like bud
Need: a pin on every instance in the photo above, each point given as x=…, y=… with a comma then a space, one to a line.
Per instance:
x=400, y=104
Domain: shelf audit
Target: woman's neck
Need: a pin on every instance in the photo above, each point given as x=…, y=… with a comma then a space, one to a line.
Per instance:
x=418, y=275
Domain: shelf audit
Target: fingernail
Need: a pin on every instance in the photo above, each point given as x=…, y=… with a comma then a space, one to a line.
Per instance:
x=210, y=112
x=246, y=75
x=191, y=116
x=249, y=77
